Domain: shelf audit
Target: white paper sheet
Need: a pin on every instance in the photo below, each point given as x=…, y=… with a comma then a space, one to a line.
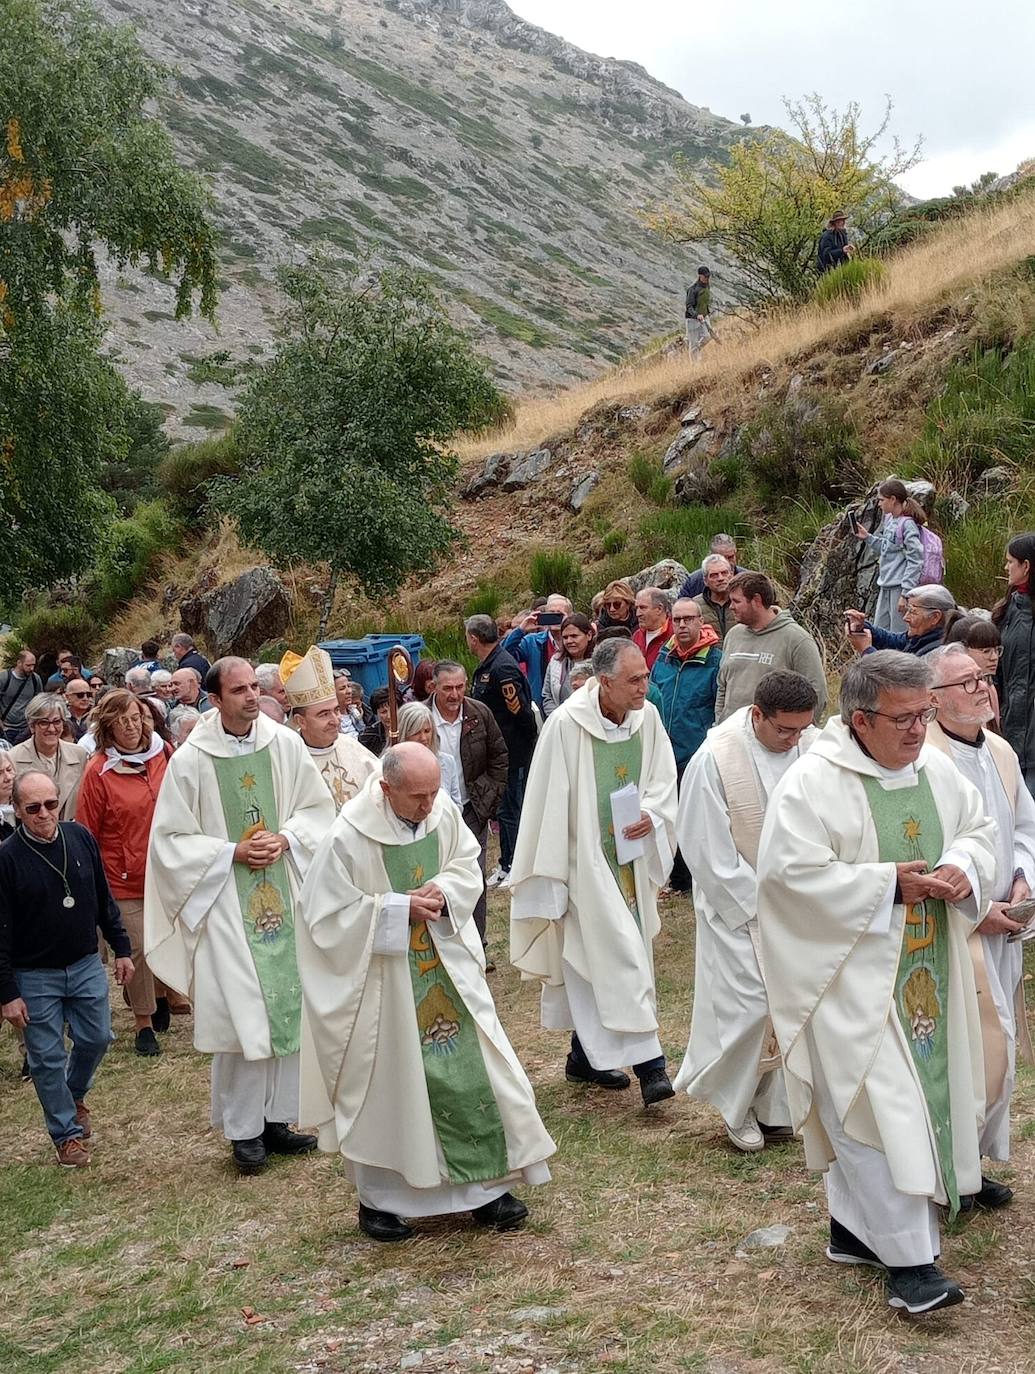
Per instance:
x=626, y=810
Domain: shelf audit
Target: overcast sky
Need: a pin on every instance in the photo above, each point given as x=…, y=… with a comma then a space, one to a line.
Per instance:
x=959, y=73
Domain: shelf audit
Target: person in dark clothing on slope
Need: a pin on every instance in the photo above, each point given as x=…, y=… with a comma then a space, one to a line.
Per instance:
x=1015, y=679
x=834, y=248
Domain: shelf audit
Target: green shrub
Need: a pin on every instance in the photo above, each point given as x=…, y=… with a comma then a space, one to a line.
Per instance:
x=450, y=643
x=613, y=541
x=642, y=472
x=683, y=532
x=984, y=416
x=659, y=493
x=851, y=281
x=129, y=552
x=185, y=471
x=46, y=629
x=485, y=600
x=555, y=570
x=804, y=447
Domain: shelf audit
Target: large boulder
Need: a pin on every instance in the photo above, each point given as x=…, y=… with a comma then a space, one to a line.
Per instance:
x=669, y=574
x=838, y=571
x=116, y=663
x=240, y=616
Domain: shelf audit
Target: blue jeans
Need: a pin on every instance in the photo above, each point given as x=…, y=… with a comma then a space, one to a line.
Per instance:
x=510, y=815
x=78, y=996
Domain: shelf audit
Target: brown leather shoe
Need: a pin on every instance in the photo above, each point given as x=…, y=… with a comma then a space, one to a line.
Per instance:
x=82, y=1118
x=72, y=1154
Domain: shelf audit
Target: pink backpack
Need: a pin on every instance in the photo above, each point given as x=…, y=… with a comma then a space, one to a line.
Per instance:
x=932, y=569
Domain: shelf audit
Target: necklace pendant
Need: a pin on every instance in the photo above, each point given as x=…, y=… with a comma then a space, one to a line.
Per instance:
x=69, y=901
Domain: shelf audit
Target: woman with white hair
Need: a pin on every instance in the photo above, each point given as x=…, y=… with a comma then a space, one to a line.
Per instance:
x=416, y=723
x=45, y=751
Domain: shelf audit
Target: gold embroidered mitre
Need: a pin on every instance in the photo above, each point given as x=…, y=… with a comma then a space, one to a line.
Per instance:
x=308, y=681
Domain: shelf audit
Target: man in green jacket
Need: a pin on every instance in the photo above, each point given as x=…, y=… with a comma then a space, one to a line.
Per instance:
x=698, y=308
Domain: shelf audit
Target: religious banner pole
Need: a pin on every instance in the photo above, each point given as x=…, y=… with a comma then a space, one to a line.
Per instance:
x=400, y=675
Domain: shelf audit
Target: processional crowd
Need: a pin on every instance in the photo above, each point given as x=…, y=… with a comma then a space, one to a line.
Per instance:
x=862, y=892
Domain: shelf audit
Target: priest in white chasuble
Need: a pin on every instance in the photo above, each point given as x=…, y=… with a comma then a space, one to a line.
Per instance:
x=876, y=860
x=405, y=1066
x=732, y=1061
x=241, y=810
x=343, y=762
x=964, y=706
x=584, y=913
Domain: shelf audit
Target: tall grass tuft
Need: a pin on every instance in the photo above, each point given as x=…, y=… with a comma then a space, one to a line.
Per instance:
x=555, y=570
x=683, y=532
x=486, y=599
x=851, y=281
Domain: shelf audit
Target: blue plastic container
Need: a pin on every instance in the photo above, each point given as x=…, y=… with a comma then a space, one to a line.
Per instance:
x=367, y=658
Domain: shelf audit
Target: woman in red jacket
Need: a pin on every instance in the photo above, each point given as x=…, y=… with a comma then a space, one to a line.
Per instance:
x=116, y=802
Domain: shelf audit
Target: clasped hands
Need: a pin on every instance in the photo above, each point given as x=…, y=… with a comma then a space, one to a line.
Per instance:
x=426, y=903
x=946, y=883
x=260, y=850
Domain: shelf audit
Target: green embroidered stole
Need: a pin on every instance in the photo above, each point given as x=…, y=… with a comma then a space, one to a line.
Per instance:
x=250, y=804
x=908, y=828
x=614, y=767
x=463, y=1105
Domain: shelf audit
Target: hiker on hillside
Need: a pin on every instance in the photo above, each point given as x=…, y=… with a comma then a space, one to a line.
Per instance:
x=834, y=248
x=698, y=308
x=1016, y=676
x=900, y=549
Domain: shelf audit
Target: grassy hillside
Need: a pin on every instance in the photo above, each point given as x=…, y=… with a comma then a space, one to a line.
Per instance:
x=933, y=377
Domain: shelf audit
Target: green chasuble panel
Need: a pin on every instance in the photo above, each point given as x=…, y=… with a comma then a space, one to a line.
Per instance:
x=463, y=1105
x=908, y=828
x=250, y=804
x=614, y=767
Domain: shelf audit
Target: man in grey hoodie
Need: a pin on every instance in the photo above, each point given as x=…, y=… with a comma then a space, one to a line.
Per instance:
x=764, y=639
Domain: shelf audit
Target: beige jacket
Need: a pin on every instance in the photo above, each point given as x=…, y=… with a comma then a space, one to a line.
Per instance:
x=66, y=769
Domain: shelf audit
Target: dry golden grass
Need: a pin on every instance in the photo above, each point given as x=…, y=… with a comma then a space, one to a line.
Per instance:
x=950, y=260
x=158, y=1259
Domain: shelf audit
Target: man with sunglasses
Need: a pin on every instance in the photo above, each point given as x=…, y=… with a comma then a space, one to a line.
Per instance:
x=78, y=695
x=876, y=861
x=963, y=701
x=53, y=898
x=731, y=1061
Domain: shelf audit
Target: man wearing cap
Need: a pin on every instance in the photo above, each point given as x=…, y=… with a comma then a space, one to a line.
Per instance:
x=925, y=611
x=834, y=248
x=240, y=813
x=698, y=308
x=405, y=1065
x=311, y=693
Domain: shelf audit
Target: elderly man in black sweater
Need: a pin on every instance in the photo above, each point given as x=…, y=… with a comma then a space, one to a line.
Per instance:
x=53, y=897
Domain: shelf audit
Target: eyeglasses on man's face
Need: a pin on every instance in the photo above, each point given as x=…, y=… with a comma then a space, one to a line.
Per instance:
x=34, y=808
x=969, y=684
x=72, y=695
x=907, y=722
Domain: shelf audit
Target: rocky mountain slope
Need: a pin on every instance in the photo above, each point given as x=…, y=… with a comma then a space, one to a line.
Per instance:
x=447, y=134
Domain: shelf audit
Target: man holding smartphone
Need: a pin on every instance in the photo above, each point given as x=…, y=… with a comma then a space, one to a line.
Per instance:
x=535, y=640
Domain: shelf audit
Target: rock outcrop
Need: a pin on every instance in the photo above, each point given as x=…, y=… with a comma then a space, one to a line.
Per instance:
x=239, y=617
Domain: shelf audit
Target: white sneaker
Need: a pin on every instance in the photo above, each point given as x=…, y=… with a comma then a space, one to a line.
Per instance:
x=746, y=1136
x=504, y=882
x=496, y=877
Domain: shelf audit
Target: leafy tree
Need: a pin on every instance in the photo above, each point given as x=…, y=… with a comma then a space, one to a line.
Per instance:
x=83, y=167
x=765, y=207
x=344, y=434
x=745, y=119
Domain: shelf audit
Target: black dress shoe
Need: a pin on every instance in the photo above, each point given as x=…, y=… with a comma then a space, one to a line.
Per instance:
x=504, y=1213
x=145, y=1043
x=382, y=1225
x=656, y=1087
x=600, y=1078
x=991, y=1196
x=250, y=1155
x=160, y=1015
x=279, y=1139
x=775, y=1134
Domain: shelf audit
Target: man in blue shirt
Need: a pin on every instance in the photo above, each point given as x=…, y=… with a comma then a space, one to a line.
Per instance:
x=533, y=648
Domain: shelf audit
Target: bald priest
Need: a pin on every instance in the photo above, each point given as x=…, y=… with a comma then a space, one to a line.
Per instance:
x=405, y=1065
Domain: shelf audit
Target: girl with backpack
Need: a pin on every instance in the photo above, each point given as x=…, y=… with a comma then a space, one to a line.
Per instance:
x=1015, y=679
x=909, y=553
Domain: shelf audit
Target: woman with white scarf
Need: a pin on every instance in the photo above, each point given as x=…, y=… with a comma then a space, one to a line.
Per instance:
x=116, y=802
